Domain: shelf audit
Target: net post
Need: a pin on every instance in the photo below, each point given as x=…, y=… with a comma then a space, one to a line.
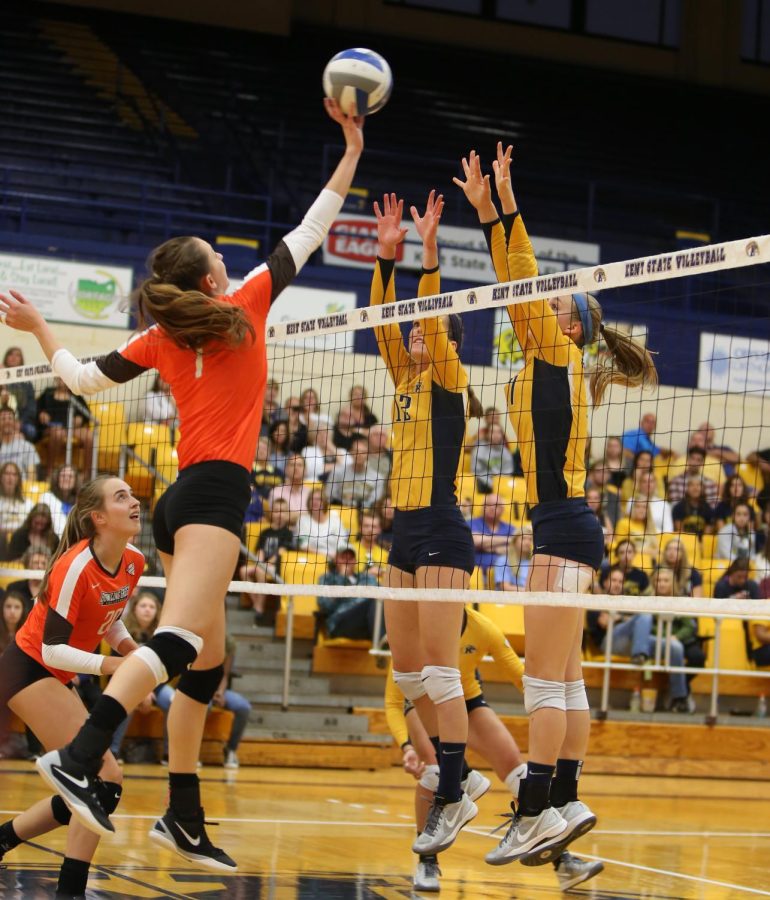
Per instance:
x=377, y=630
x=607, y=674
x=95, y=448
x=287, y=656
x=711, y=718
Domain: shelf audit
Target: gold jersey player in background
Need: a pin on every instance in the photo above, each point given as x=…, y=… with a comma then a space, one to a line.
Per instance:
x=548, y=408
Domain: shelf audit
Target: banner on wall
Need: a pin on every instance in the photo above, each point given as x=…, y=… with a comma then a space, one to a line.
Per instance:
x=507, y=354
x=75, y=292
x=463, y=254
x=731, y=363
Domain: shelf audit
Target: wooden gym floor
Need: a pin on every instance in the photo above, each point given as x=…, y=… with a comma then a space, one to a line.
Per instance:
x=299, y=834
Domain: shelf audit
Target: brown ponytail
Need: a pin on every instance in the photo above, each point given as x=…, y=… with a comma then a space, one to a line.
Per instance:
x=632, y=365
x=79, y=525
x=475, y=409
x=172, y=297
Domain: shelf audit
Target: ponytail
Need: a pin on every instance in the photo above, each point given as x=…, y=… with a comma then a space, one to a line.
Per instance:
x=79, y=525
x=475, y=409
x=172, y=298
x=631, y=365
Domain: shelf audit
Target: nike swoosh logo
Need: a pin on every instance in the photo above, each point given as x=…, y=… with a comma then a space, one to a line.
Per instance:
x=525, y=837
x=450, y=752
x=79, y=782
x=434, y=554
x=451, y=822
x=541, y=547
x=193, y=841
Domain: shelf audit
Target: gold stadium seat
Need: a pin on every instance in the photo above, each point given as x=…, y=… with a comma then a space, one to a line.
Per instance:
x=5, y=580
x=348, y=517
x=33, y=490
x=252, y=532
x=751, y=475
x=300, y=567
x=111, y=434
x=690, y=543
x=712, y=570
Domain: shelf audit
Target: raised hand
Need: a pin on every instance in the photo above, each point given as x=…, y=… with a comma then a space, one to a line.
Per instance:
x=352, y=126
x=476, y=186
x=389, y=230
x=17, y=312
x=502, y=169
x=427, y=223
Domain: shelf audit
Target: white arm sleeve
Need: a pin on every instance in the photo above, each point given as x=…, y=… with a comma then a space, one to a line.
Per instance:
x=80, y=378
x=117, y=634
x=70, y=659
x=308, y=235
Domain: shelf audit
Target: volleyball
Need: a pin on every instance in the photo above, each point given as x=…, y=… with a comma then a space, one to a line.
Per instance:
x=359, y=80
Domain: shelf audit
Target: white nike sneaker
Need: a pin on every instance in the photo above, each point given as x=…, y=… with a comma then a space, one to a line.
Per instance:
x=527, y=834
x=572, y=870
x=475, y=784
x=580, y=820
x=427, y=874
x=444, y=823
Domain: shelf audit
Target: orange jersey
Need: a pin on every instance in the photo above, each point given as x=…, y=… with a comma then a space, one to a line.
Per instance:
x=218, y=392
x=89, y=597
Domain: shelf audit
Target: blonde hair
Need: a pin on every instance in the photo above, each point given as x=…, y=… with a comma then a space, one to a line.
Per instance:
x=514, y=552
x=681, y=568
x=79, y=525
x=632, y=364
x=172, y=297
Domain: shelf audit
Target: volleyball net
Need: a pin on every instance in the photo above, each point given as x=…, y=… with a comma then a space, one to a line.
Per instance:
x=686, y=525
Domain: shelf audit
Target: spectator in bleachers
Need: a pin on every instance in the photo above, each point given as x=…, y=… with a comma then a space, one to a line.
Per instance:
x=345, y=428
x=271, y=405
x=639, y=524
x=36, y=560
x=22, y=395
x=704, y=437
x=640, y=438
x=380, y=454
x=491, y=535
x=348, y=617
x=311, y=410
x=61, y=495
x=385, y=512
x=688, y=581
x=294, y=490
x=693, y=514
x=659, y=509
x=683, y=628
x=736, y=584
x=762, y=559
x=696, y=458
x=264, y=475
x=372, y=558
x=320, y=454
x=319, y=529
x=13, y=505
x=761, y=459
x=272, y=540
x=363, y=417
x=278, y=437
x=36, y=532
x=226, y=698
x=642, y=462
x=16, y=448
x=614, y=461
x=492, y=416
x=594, y=501
x=510, y=574
x=159, y=405
x=297, y=428
x=491, y=457
x=14, y=613
x=733, y=491
x=599, y=478
x=52, y=416
x=354, y=482
x=737, y=539
x=635, y=580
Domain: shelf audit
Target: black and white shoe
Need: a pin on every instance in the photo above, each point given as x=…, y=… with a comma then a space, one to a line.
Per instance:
x=188, y=838
x=77, y=787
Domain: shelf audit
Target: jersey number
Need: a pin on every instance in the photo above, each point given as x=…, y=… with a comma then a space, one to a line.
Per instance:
x=109, y=620
x=403, y=402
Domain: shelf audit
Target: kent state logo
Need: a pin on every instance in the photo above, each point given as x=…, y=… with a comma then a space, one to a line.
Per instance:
x=752, y=248
x=470, y=298
x=469, y=649
x=363, y=316
x=599, y=275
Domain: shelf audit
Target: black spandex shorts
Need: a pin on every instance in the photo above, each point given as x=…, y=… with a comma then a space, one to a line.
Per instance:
x=433, y=536
x=475, y=703
x=207, y=493
x=568, y=529
x=18, y=670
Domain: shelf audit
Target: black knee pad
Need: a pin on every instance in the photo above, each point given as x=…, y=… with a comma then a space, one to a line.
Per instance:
x=201, y=684
x=109, y=795
x=174, y=652
x=61, y=812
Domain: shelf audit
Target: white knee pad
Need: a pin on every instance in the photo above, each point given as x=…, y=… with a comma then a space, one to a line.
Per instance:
x=429, y=779
x=410, y=684
x=513, y=779
x=442, y=683
x=540, y=694
x=575, y=695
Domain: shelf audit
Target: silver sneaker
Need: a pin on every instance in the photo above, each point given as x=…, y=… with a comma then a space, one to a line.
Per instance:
x=475, y=785
x=527, y=834
x=580, y=820
x=443, y=825
x=426, y=878
x=231, y=759
x=572, y=870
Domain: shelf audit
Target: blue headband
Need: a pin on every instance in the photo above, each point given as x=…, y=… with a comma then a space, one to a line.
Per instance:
x=581, y=301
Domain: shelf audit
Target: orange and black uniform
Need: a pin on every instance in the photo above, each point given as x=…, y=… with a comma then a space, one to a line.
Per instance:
x=548, y=409
x=429, y=414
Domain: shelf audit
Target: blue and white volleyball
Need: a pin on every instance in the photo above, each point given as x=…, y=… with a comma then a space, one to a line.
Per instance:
x=359, y=80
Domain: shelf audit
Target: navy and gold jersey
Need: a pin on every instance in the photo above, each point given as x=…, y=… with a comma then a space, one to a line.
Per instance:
x=428, y=406
x=547, y=398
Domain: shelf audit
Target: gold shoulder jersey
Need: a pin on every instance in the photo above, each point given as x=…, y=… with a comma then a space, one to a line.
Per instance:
x=480, y=638
x=429, y=407
x=547, y=398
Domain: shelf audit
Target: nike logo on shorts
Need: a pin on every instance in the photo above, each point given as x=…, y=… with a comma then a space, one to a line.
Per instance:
x=541, y=547
x=436, y=553
x=193, y=841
